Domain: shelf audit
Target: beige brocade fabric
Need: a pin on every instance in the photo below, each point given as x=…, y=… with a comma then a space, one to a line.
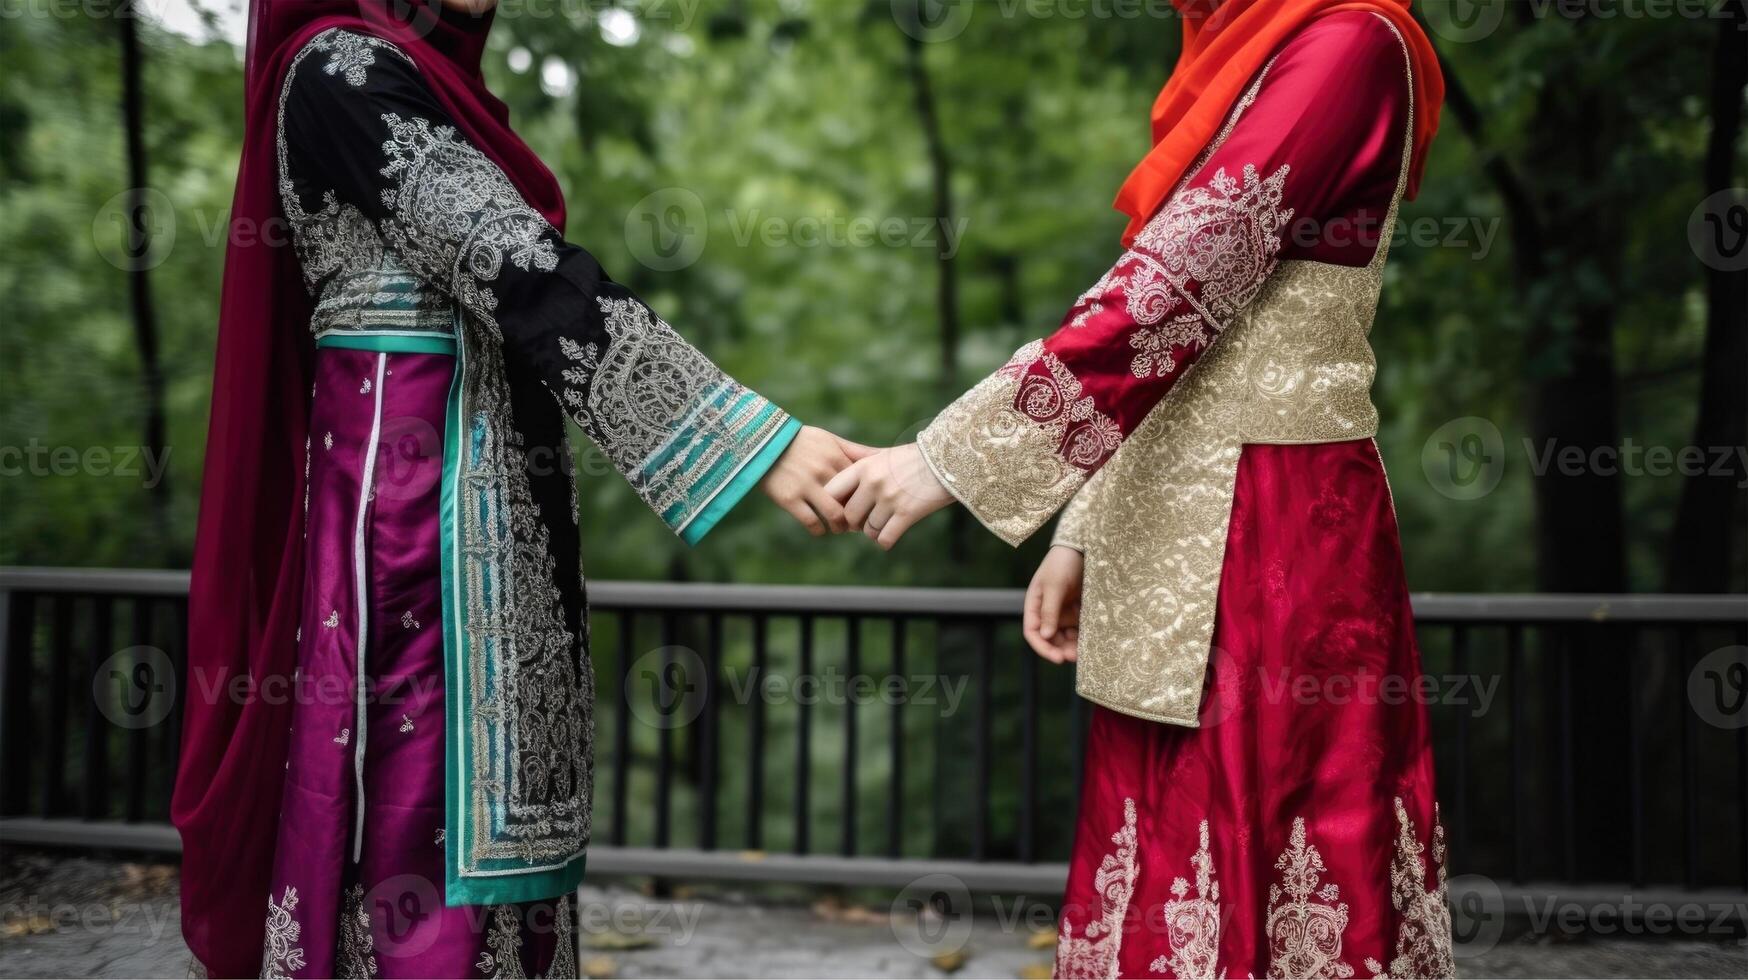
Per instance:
x=1294, y=366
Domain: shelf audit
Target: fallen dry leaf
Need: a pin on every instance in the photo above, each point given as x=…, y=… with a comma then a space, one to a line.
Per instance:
x=951, y=962
x=1036, y=971
x=1041, y=939
x=599, y=967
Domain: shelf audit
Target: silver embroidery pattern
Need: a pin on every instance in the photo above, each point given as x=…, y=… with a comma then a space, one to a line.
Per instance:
x=1423, y=933
x=359, y=284
x=355, y=956
x=502, y=957
x=1094, y=954
x=564, y=953
x=281, y=956
x=1306, y=918
x=1306, y=921
x=1192, y=924
x=455, y=217
x=350, y=54
x=529, y=732
x=647, y=395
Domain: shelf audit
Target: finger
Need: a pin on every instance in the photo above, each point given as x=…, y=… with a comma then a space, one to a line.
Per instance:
x=854, y=450
x=829, y=510
x=805, y=516
x=895, y=529
x=1050, y=610
x=845, y=482
x=1029, y=625
x=859, y=506
x=878, y=518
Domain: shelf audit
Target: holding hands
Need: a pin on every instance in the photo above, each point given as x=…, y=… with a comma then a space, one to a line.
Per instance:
x=831, y=485
x=797, y=483
x=886, y=491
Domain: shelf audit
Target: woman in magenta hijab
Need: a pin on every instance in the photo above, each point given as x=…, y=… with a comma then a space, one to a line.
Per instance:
x=387, y=764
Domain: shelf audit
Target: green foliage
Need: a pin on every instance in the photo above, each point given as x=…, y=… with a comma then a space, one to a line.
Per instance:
x=792, y=111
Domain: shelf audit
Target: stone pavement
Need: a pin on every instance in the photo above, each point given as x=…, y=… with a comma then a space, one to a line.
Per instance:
x=64, y=916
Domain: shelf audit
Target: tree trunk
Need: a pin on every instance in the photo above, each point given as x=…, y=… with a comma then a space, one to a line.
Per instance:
x=139, y=285
x=1572, y=404
x=1700, y=546
x=947, y=273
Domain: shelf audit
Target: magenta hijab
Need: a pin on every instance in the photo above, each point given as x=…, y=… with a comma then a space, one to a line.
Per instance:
x=243, y=604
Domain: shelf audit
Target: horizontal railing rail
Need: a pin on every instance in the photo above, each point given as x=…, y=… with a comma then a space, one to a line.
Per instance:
x=909, y=601
x=814, y=730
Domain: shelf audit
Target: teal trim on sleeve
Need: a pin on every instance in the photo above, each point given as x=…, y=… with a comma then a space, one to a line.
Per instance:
x=738, y=485
x=389, y=343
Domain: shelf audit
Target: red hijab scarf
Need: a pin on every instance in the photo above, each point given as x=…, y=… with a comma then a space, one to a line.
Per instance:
x=244, y=598
x=1226, y=42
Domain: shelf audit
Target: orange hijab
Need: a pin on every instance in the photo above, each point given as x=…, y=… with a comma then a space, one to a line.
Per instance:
x=1225, y=43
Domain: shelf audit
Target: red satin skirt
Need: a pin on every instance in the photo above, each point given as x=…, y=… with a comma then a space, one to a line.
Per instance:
x=1295, y=833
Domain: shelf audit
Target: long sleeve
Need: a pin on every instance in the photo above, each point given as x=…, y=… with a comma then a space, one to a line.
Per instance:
x=1306, y=168
x=361, y=129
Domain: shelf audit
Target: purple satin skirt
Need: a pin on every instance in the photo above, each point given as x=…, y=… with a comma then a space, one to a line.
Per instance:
x=358, y=874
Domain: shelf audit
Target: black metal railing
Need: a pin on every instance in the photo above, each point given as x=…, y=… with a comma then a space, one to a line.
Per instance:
x=859, y=734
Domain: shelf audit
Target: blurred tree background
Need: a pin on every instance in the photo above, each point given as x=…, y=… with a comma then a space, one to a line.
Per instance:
x=810, y=155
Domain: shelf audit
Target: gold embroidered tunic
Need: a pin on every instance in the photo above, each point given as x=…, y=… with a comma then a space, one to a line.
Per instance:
x=1239, y=315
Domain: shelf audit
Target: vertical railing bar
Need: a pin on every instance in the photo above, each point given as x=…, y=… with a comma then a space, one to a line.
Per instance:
x=803, y=746
x=1077, y=725
x=1568, y=787
x=985, y=695
x=665, y=733
x=1029, y=757
x=94, y=797
x=622, y=728
x=18, y=683
x=1684, y=639
x=61, y=650
x=185, y=681
x=1635, y=762
x=895, y=809
x=708, y=747
x=1519, y=829
x=852, y=670
x=756, y=721
x=1460, y=789
x=137, y=744
x=1742, y=780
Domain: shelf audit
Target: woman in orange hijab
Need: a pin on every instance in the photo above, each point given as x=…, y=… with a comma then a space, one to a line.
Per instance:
x=1258, y=796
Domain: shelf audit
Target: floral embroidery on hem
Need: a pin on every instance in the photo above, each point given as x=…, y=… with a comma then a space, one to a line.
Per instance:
x=1095, y=954
x=281, y=956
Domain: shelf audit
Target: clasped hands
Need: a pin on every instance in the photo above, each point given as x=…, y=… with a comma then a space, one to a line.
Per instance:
x=831, y=485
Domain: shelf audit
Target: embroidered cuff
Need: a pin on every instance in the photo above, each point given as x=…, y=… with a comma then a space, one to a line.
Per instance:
x=1002, y=466
x=725, y=431
x=748, y=477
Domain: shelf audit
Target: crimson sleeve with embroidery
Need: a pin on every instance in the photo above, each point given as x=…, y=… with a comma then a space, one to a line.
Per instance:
x=361, y=129
x=1308, y=158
